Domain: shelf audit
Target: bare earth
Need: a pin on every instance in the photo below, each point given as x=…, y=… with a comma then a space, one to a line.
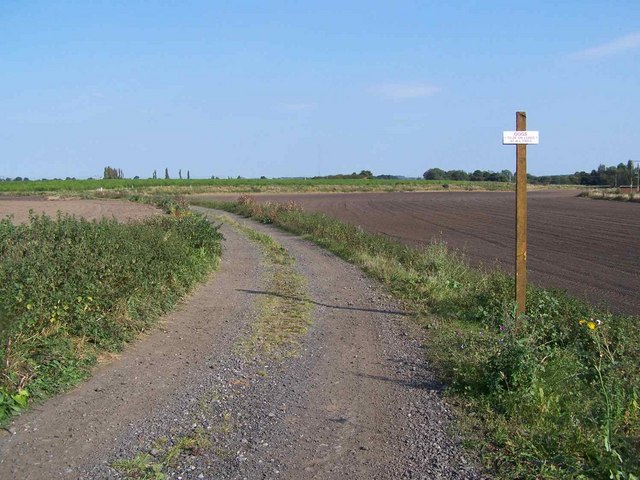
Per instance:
x=358, y=401
x=589, y=248
x=122, y=210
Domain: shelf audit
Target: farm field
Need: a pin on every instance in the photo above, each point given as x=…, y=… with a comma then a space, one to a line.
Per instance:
x=121, y=210
x=184, y=186
x=589, y=248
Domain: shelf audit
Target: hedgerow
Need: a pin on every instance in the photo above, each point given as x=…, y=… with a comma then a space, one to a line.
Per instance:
x=71, y=289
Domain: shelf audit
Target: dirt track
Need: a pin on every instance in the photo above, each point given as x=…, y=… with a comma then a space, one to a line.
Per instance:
x=590, y=248
x=357, y=402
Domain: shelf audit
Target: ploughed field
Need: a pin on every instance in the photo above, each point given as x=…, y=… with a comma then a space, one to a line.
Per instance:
x=589, y=248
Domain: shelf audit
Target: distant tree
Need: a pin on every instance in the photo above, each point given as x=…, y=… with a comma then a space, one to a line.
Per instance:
x=477, y=176
x=494, y=177
x=155, y=175
x=365, y=174
x=387, y=177
x=17, y=179
x=180, y=173
x=188, y=175
x=166, y=174
x=263, y=177
x=457, y=175
x=434, y=174
x=630, y=170
x=111, y=173
x=136, y=177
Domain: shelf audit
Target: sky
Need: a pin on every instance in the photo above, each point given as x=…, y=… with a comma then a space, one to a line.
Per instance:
x=298, y=89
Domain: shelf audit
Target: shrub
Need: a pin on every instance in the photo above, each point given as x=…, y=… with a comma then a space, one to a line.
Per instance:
x=70, y=288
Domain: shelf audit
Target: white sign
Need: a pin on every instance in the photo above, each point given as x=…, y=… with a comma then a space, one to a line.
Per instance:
x=530, y=137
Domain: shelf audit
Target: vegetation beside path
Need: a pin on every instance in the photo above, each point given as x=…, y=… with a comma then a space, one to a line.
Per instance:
x=553, y=394
x=71, y=290
x=615, y=194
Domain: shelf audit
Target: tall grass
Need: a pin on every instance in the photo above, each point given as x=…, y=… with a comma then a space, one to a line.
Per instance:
x=611, y=194
x=71, y=289
x=553, y=394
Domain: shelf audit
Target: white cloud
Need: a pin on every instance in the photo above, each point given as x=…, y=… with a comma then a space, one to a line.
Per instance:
x=405, y=91
x=619, y=45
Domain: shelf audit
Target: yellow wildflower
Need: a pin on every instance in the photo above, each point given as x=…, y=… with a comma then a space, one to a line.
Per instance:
x=582, y=321
x=591, y=325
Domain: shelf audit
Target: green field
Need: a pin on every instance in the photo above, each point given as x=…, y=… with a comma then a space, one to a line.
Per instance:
x=176, y=186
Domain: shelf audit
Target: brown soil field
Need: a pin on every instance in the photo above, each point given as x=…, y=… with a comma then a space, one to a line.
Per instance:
x=18, y=208
x=589, y=248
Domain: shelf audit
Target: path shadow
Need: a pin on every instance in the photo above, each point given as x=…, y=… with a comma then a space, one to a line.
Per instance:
x=418, y=383
x=320, y=304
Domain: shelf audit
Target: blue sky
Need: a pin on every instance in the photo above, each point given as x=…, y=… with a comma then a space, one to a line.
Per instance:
x=285, y=88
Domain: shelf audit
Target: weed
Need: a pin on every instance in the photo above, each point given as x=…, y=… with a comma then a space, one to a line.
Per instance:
x=143, y=467
x=166, y=454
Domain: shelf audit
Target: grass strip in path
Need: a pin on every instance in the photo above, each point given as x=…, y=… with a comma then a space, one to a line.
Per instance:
x=553, y=394
x=284, y=313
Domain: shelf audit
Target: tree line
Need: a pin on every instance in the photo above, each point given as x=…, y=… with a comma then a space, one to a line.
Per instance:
x=613, y=175
x=476, y=176
x=116, y=173
x=606, y=176
x=346, y=176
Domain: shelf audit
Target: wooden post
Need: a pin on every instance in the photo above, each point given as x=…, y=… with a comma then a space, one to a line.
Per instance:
x=521, y=218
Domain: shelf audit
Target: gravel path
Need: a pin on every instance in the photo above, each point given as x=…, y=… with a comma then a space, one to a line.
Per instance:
x=358, y=401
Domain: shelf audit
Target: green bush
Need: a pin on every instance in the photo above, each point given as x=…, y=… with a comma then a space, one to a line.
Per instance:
x=70, y=288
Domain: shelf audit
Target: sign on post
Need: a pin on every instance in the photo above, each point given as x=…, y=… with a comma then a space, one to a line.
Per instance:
x=521, y=137
x=527, y=137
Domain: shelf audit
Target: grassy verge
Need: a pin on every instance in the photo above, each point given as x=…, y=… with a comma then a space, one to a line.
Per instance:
x=71, y=289
x=553, y=394
x=611, y=194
